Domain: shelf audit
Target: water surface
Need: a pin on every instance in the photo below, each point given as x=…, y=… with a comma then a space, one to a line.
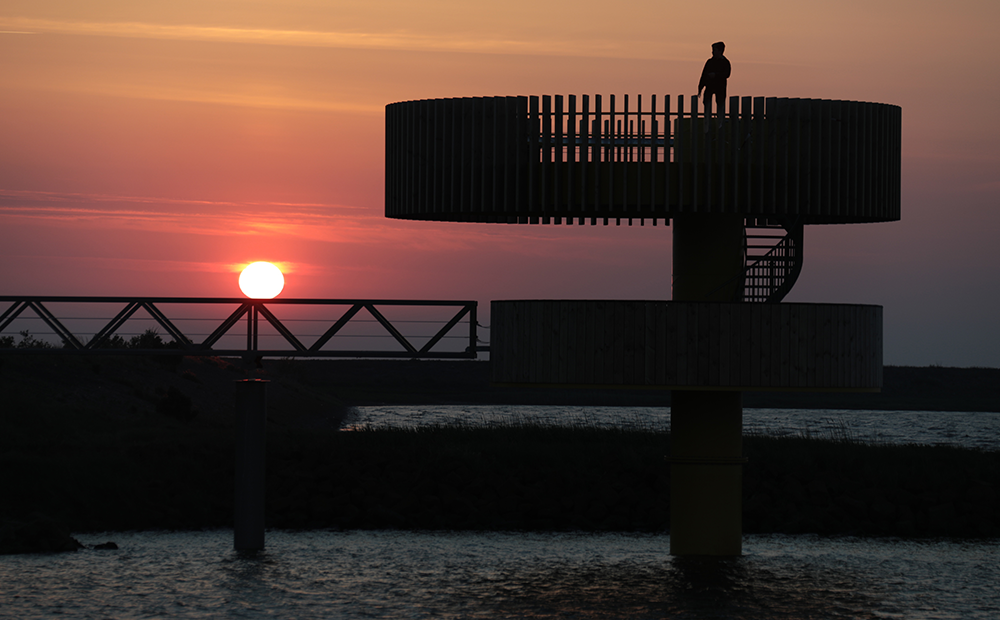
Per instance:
x=954, y=428
x=500, y=575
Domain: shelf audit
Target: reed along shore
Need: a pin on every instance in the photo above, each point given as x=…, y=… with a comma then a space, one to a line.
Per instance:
x=116, y=444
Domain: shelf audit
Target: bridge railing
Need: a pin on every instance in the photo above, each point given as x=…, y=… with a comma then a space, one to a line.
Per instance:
x=240, y=327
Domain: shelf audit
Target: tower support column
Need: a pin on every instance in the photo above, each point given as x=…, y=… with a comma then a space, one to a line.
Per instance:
x=706, y=426
x=706, y=476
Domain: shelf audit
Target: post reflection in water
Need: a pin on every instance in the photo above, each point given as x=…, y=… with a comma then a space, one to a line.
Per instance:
x=397, y=574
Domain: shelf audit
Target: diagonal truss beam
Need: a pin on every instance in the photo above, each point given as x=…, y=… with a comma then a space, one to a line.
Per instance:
x=113, y=325
x=12, y=313
x=280, y=327
x=69, y=340
x=390, y=328
x=226, y=325
x=330, y=333
x=164, y=322
x=444, y=330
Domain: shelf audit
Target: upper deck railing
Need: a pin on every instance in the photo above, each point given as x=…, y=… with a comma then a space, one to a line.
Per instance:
x=223, y=326
x=552, y=159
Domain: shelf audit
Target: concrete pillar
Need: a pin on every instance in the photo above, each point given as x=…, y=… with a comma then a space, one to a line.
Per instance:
x=706, y=477
x=707, y=257
x=706, y=426
x=251, y=420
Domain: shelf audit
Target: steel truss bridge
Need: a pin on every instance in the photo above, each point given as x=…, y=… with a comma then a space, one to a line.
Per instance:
x=452, y=320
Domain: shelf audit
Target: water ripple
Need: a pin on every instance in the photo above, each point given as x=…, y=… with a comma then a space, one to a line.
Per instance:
x=501, y=575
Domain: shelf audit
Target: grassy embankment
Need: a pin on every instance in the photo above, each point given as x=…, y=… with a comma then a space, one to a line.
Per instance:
x=102, y=445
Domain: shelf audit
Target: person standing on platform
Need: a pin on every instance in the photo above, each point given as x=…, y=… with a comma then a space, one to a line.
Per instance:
x=713, y=80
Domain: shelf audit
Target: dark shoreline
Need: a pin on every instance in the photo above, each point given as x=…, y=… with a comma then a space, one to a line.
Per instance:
x=110, y=444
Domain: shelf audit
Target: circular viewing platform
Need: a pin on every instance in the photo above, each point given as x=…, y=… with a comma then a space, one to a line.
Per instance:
x=556, y=159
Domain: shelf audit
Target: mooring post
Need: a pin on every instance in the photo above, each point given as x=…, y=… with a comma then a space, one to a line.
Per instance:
x=251, y=419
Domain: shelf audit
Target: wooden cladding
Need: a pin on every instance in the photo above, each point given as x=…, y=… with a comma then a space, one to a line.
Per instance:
x=687, y=345
x=556, y=159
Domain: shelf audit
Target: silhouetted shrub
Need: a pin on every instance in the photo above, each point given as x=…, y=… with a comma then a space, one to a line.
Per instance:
x=148, y=339
x=27, y=342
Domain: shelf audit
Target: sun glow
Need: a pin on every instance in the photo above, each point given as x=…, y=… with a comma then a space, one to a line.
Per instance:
x=261, y=280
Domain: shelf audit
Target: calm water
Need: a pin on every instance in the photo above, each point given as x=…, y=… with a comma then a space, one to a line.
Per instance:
x=515, y=575
x=972, y=430
x=500, y=575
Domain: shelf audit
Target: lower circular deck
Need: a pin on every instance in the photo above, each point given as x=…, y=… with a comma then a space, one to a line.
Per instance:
x=687, y=345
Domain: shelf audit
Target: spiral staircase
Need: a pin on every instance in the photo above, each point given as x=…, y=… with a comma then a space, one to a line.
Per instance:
x=772, y=259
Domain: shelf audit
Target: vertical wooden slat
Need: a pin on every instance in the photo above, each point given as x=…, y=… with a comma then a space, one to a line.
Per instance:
x=791, y=160
x=697, y=140
x=424, y=147
x=765, y=344
x=624, y=158
x=841, y=328
x=700, y=351
x=392, y=177
x=708, y=139
x=478, y=193
x=453, y=185
x=610, y=160
x=525, y=141
x=548, y=197
x=679, y=157
x=505, y=155
x=467, y=157
x=593, y=345
x=596, y=155
x=439, y=156
x=532, y=161
x=836, y=157
x=433, y=137
x=639, y=159
x=746, y=153
x=775, y=336
x=411, y=162
x=712, y=350
x=668, y=164
x=680, y=345
x=771, y=181
x=559, y=168
x=824, y=366
x=627, y=341
x=817, y=147
x=571, y=159
x=585, y=156
x=660, y=344
x=648, y=343
x=654, y=158
x=562, y=321
x=825, y=167
x=730, y=351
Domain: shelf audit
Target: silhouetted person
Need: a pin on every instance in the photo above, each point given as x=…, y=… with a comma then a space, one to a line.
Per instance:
x=713, y=79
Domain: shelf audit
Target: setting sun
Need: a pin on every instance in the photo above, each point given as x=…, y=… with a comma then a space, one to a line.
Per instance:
x=261, y=280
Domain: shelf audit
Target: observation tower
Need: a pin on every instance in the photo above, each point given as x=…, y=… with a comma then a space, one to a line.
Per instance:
x=737, y=191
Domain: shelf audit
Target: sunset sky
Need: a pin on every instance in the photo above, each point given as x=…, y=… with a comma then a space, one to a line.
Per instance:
x=156, y=148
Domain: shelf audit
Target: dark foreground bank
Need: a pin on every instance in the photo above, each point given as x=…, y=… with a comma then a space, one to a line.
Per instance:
x=137, y=444
x=514, y=478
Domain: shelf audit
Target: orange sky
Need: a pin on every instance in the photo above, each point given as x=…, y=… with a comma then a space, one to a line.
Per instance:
x=155, y=148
